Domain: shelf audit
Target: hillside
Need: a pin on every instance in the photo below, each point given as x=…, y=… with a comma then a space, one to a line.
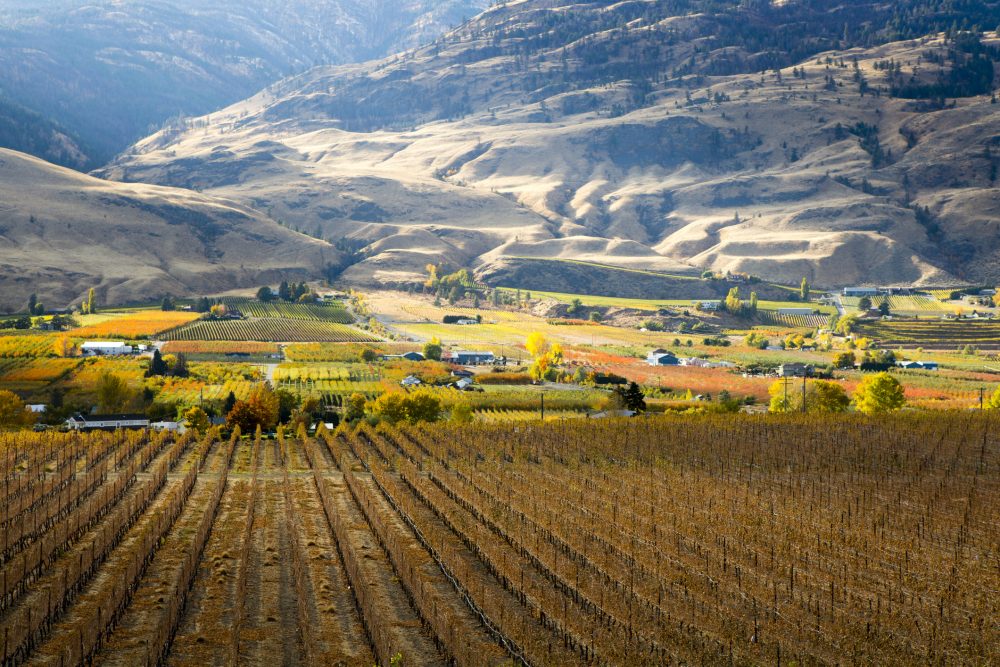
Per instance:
x=24, y=130
x=867, y=156
x=112, y=71
x=62, y=232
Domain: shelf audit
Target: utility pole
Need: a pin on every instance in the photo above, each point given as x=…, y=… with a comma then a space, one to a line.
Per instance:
x=982, y=393
x=803, y=392
x=785, y=403
x=543, y=405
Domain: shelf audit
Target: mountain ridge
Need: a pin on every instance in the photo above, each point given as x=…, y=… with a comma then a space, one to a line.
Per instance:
x=847, y=166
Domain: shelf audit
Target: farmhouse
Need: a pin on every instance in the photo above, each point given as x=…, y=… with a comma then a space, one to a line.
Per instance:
x=795, y=370
x=466, y=358
x=104, y=348
x=172, y=427
x=662, y=358
x=79, y=422
x=918, y=365
x=409, y=356
x=708, y=306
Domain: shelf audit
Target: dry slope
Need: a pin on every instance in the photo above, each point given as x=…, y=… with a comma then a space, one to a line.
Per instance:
x=627, y=133
x=62, y=232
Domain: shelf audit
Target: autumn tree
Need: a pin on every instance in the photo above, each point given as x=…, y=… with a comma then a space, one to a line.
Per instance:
x=878, y=394
x=13, y=413
x=433, y=349
x=260, y=409
x=197, y=420
x=845, y=360
x=824, y=396
x=354, y=407
x=113, y=393
x=64, y=347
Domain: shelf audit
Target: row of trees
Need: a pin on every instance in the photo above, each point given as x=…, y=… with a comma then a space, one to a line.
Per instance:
x=290, y=292
x=876, y=394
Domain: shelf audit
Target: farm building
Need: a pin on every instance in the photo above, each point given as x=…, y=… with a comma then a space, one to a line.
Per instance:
x=796, y=311
x=80, y=422
x=466, y=358
x=172, y=427
x=860, y=291
x=409, y=356
x=794, y=370
x=662, y=358
x=463, y=384
x=460, y=373
x=37, y=408
x=411, y=381
x=104, y=348
x=918, y=365
x=708, y=306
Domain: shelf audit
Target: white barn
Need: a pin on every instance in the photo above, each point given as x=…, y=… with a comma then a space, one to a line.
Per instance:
x=98, y=348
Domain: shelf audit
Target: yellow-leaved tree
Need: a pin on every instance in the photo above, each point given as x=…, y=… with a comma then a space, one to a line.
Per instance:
x=878, y=394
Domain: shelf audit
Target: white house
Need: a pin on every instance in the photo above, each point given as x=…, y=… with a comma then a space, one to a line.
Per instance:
x=467, y=321
x=37, y=408
x=80, y=422
x=708, y=306
x=411, y=381
x=96, y=348
x=173, y=427
x=695, y=361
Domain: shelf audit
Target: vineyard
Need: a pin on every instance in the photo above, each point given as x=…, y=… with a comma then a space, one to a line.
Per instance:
x=774, y=318
x=655, y=541
x=938, y=334
x=333, y=312
x=269, y=330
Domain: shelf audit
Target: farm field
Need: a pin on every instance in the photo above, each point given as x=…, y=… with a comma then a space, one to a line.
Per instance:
x=565, y=543
x=269, y=330
x=935, y=333
x=134, y=325
x=657, y=304
x=333, y=312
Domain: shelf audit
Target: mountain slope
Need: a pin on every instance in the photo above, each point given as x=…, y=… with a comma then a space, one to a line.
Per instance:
x=112, y=70
x=62, y=232
x=547, y=129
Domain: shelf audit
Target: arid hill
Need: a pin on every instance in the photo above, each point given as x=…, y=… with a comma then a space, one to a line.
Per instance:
x=632, y=134
x=62, y=233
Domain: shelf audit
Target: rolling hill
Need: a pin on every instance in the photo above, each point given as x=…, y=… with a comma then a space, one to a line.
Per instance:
x=845, y=142
x=62, y=232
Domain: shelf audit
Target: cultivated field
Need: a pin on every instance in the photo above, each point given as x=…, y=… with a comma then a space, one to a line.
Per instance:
x=269, y=330
x=936, y=334
x=654, y=541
